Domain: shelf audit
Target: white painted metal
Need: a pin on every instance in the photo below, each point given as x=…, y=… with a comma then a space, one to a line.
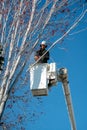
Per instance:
x=62, y=76
x=43, y=74
x=52, y=71
x=40, y=77
x=52, y=74
x=38, y=80
x=69, y=104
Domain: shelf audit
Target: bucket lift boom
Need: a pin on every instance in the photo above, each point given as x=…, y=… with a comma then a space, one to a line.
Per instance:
x=43, y=76
x=63, y=77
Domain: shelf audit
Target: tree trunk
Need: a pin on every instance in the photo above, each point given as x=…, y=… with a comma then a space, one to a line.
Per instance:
x=3, y=99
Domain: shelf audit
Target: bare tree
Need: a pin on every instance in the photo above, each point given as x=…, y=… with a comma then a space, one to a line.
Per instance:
x=23, y=25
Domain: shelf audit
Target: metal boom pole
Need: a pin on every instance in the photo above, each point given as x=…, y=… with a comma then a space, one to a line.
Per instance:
x=48, y=76
x=62, y=76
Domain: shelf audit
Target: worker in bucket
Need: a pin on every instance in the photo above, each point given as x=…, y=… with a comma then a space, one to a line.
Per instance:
x=41, y=52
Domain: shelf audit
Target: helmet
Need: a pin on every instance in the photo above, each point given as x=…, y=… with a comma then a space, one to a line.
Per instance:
x=43, y=43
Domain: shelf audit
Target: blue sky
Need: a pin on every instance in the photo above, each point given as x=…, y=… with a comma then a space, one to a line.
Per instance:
x=73, y=57
x=71, y=54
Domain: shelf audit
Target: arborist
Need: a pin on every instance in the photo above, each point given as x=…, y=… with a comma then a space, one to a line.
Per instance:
x=41, y=52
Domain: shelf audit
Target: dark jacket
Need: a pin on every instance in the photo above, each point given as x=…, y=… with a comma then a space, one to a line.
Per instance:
x=45, y=58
